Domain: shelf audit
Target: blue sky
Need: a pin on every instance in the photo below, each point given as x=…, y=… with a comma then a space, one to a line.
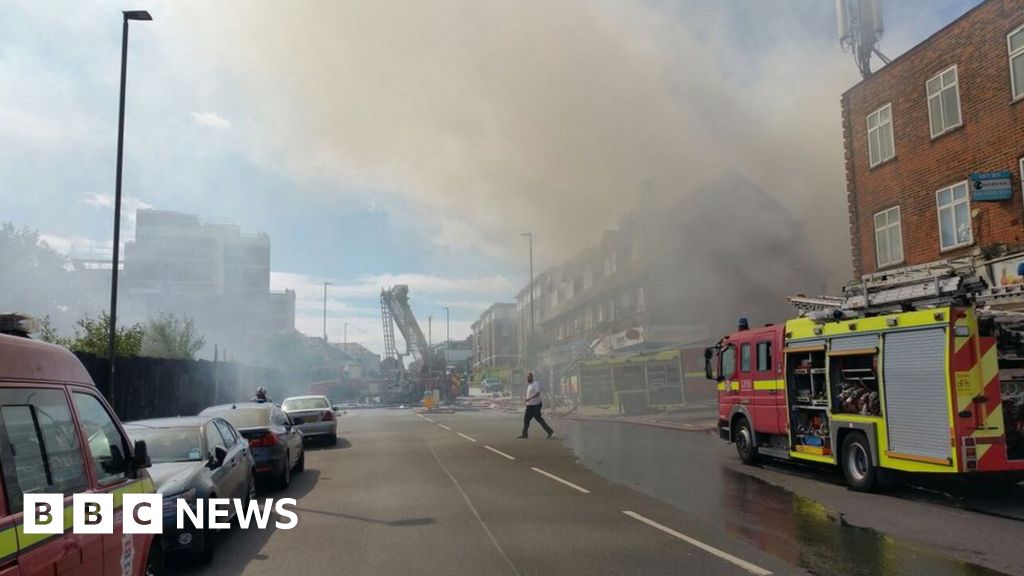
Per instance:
x=385, y=155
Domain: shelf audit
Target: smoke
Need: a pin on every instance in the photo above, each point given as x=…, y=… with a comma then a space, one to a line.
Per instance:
x=492, y=118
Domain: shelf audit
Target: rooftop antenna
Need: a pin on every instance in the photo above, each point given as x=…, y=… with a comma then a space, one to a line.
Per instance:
x=860, y=26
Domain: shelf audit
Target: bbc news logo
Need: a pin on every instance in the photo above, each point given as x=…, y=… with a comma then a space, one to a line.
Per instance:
x=144, y=513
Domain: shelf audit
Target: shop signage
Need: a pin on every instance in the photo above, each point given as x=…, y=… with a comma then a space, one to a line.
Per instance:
x=990, y=186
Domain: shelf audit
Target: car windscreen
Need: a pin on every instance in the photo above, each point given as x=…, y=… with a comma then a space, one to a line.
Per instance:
x=246, y=417
x=170, y=444
x=306, y=404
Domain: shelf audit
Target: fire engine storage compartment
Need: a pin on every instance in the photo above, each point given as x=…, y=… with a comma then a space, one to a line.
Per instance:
x=1008, y=330
x=915, y=390
x=807, y=387
x=853, y=375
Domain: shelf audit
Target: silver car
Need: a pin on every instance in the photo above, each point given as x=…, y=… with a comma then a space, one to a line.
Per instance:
x=314, y=416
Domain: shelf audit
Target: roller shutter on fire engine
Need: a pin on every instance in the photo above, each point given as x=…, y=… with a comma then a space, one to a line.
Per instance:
x=916, y=407
x=860, y=342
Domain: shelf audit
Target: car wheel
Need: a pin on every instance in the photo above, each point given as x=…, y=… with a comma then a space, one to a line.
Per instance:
x=155, y=558
x=250, y=492
x=333, y=440
x=858, y=468
x=743, y=436
x=301, y=464
x=286, y=473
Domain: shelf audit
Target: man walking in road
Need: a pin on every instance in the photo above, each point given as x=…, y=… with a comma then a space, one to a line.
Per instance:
x=533, y=405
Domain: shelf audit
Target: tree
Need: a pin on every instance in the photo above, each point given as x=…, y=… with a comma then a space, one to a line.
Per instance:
x=47, y=333
x=34, y=276
x=168, y=336
x=40, y=281
x=92, y=336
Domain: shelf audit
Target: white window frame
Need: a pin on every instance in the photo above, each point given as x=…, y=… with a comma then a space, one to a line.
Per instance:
x=890, y=261
x=1022, y=177
x=1017, y=92
x=952, y=206
x=881, y=128
x=959, y=109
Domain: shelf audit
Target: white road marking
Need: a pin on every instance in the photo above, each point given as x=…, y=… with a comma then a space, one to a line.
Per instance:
x=557, y=479
x=475, y=513
x=445, y=427
x=466, y=437
x=752, y=568
x=431, y=420
x=499, y=452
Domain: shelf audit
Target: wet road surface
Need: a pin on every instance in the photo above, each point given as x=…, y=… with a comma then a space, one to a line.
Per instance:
x=459, y=494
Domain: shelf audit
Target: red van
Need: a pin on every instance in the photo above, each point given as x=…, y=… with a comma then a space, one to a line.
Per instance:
x=58, y=435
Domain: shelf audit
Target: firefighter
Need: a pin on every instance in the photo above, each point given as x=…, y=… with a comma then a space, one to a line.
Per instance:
x=533, y=406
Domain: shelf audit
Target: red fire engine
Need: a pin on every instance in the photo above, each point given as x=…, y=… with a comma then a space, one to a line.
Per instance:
x=916, y=371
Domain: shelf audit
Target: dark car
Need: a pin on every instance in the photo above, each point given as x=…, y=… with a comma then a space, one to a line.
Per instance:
x=195, y=457
x=275, y=442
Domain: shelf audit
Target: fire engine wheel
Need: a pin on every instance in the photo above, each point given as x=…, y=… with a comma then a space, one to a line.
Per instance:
x=744, y=439
x=859, y=470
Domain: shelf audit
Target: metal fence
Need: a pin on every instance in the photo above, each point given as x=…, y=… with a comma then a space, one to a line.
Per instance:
x=158, y=387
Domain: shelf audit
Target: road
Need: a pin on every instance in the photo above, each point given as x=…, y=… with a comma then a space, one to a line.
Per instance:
x=459, y=494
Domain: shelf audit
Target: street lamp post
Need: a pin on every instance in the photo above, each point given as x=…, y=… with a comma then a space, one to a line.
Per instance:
x=447, y=336
x=533, y=310
x=345, y=337
x=430, y=331
x=326, y=284
x=112, y=340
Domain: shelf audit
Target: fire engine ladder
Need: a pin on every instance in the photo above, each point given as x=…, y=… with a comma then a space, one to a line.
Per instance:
x=934, y=284
x=397, y=313
x=390, y=348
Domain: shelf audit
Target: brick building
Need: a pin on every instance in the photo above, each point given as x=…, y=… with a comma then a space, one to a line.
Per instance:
x=930, y=140
x=675, y=272
x=496, y=339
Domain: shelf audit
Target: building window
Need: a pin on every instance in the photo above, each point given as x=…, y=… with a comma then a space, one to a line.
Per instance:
x=1015, y=43
x=641, y=298
x=888, y=237
x=881, y=146
x=954, y=207
x=611, y=264
x=944, y=101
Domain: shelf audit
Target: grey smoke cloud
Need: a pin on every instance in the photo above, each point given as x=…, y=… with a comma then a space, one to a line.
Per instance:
x=494, y=117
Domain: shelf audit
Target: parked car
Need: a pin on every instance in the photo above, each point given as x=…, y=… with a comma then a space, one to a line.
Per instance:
x=276, y=444
x=44, y=391
x=492, y=385
x=314, y=416
x=195, y=457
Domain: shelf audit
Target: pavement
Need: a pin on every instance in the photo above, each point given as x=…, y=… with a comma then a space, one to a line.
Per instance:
x=694, y=417
x=457, y=493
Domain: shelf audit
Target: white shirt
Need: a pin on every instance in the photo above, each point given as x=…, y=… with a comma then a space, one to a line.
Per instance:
x=533, y=390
